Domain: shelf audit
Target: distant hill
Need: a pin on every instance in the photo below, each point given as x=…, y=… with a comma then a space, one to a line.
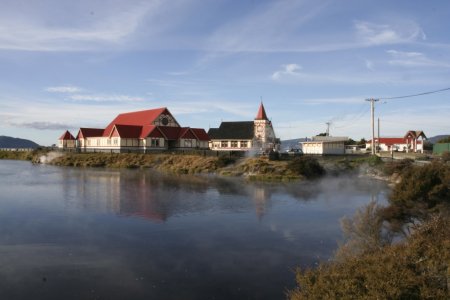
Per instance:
x=10, y=142
x=288, y=144
x=436, y=138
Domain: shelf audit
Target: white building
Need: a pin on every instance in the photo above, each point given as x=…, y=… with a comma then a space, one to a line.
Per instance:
x=321, y=145
x=411, y=142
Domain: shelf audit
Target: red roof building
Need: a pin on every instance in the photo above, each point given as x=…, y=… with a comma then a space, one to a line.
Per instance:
x=409, y=143
x=141, y=130
x=67, y=141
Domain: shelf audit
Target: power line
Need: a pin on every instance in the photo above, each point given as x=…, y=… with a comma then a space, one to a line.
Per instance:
x=415, y=95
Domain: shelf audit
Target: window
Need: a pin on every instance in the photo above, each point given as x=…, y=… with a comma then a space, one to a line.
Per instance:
x=115, y=141
x=155, y=142
x=108, y=142
x=88, y=142
x=98, y=142
x=188, y=143
x=224, y=144
x=244, y=144
x=234, y=144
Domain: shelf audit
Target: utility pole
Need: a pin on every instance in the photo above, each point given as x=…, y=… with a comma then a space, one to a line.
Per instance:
x=372, y=114
x=328, y=128
x=378, y=140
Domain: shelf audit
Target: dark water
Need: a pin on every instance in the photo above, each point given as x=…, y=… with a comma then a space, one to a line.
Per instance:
x=107, y=234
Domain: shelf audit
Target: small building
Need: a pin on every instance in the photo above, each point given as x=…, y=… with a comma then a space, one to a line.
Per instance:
x=411, y=142
x=256, y=135
x=67, y=141
x=324, y=145
x=153, y=129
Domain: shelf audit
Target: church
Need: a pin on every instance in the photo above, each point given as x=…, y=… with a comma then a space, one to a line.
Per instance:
x=257, y=135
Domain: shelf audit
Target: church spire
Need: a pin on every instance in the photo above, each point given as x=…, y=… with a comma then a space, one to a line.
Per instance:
x=261, y=113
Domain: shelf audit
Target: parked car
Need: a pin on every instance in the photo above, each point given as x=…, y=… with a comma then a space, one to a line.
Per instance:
x=294, y=151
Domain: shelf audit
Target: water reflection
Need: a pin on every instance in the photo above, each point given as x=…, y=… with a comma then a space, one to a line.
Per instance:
x=157, y=197
x=136, y=234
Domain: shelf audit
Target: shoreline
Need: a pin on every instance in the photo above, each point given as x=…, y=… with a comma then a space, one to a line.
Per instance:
x=250, y=168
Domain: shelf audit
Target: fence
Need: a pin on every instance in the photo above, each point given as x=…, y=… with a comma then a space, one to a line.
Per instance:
x=18, y=149
x=180, y=151
x=440, y=148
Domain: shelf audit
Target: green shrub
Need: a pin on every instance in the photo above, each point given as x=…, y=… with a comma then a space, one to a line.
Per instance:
x=306, y=166
x=415, y=269
x=426, y=185
x=398, y=166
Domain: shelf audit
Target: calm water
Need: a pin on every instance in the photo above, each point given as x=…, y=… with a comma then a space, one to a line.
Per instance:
x=127, y=234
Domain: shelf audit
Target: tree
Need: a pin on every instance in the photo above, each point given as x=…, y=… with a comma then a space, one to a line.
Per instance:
x=444, y=140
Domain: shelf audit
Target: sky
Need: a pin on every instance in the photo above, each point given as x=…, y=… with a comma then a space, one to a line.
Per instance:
x=70, y=64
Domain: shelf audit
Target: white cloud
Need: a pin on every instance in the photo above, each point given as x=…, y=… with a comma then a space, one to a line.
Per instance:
x=289, y=69
x=269, y=27
x=63, y=89
x=381, y=34
x=31, y=31
x=44, y=125
x=105, y=98
x=413, y=59
x=348, y=100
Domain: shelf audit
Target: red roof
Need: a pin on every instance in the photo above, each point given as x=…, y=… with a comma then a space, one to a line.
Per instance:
x=201, y=134
x=137, y=118
x=186, y=133
x=128, y=131
x=171, y=133
x=150, y=131
x=391, y=141
x=261, y=113
x=415, y=134
x=89, y=132
x=66, y=136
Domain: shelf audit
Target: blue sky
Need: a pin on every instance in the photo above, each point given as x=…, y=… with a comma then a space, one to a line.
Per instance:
x=70, y=64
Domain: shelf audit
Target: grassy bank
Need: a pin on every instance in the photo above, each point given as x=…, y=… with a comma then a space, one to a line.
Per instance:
x=251, y=168
x=23, y=155
x=262, y=168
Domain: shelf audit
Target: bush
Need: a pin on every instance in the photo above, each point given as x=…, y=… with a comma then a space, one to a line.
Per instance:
x=445, y=156
x=428, y=185
x=306, y=166
x=224, y=161
x=415, y=269
x=398, y=166
x=274, y=155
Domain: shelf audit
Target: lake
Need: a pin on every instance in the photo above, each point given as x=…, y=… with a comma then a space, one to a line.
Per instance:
x=69, y=233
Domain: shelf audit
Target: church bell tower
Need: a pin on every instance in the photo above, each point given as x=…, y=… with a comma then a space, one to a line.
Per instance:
x=264, y=133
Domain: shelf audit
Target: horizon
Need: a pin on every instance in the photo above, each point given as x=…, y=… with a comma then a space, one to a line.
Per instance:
x=68, y=65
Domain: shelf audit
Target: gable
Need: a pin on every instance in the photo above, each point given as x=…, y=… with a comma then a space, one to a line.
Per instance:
x=66, y=136
x=84, y=133
x=151, y=131
x=201, y=134
x=186, y=133
x=137, y=118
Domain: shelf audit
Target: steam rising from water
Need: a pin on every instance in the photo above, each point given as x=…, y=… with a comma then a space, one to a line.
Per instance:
x=44, y=159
